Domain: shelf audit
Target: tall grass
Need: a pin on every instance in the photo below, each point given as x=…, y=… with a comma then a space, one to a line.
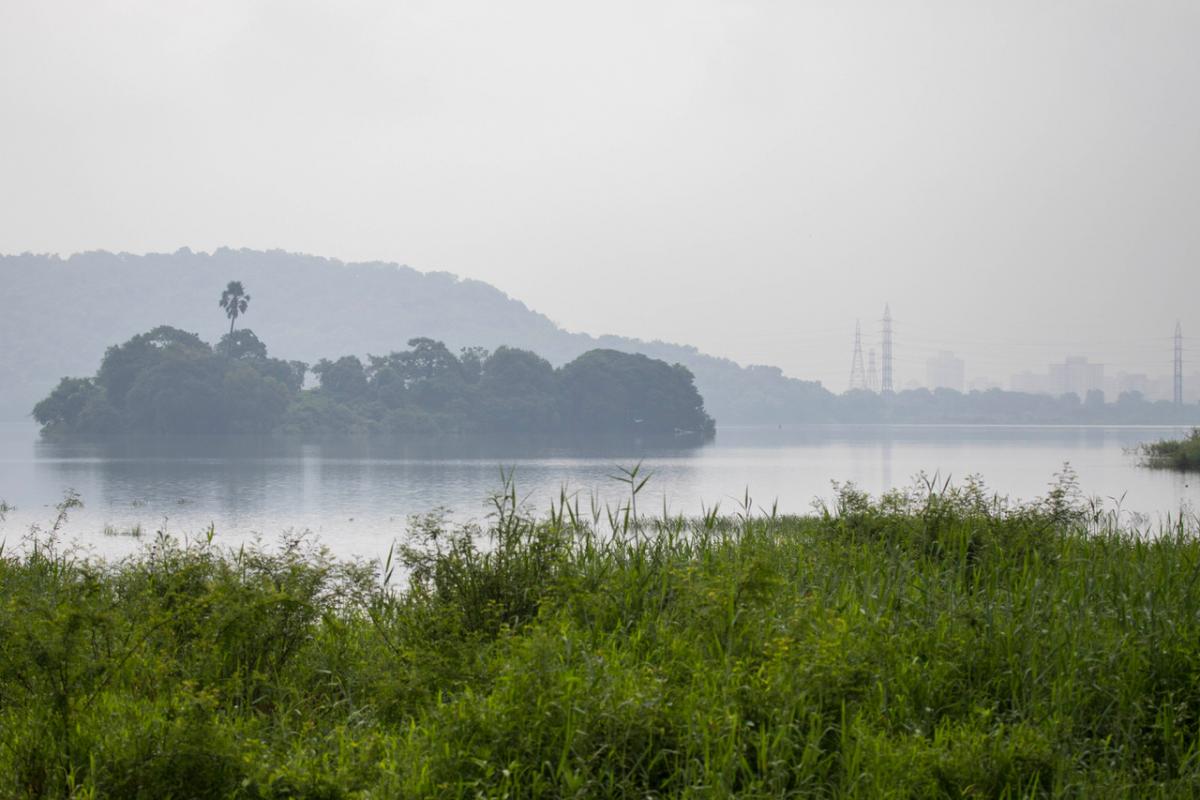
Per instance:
x=1180, y=454
x=938, y=642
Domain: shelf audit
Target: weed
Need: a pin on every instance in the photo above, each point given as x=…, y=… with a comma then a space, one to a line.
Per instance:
x=939, y=641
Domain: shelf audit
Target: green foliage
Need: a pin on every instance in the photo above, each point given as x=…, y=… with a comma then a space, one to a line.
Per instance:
x=123, y=364
x=242, y=344
x=76, y=404
x=937, y=642
x=471, y=359
x=519, y=391
x=608, y=389
x=314, y=413
x=178, y=393
x=1179, y=454
x=167, y=381
x=428, y=389
x=344, y=379
x=251, y=401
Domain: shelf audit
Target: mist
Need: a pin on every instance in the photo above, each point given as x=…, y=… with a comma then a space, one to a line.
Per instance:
x=1019, y=181
x=539, y=399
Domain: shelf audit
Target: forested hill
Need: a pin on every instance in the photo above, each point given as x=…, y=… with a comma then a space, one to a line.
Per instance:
x=60, y=314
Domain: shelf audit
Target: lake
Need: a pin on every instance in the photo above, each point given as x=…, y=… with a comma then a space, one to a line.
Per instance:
x=356, y=496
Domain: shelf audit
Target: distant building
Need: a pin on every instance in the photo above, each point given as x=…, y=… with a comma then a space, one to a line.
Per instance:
x=1163, y=388
x=1080, y=376
x=1191, y=387
x=946, y=371
x=982, y=384
x=1030, y=383
x=1076, y=375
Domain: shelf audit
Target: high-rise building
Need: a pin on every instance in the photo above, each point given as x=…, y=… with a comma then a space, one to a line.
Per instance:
x=1076, y=375
x=1030, y=383
x=946, y=371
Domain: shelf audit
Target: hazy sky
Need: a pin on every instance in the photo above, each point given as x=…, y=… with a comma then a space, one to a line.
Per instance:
x=1020, y=180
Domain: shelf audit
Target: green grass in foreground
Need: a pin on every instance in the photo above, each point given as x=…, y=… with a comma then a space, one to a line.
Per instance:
x=1181, y=454
x=932, y=644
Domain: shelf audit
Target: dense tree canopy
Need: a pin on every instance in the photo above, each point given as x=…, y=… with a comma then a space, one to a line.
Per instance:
x=427, y=388
x=242, y=344
x=170, y=381
x=610, y=388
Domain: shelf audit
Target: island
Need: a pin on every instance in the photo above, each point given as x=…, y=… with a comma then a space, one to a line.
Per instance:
x=169, y=381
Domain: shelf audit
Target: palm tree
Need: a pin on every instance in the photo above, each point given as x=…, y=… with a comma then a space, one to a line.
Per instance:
x=234, y=300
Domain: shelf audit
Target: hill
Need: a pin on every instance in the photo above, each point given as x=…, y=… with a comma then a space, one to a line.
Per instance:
x=61, y=313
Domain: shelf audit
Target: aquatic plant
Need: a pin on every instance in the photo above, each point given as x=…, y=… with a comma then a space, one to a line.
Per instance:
x=935, y=642
x=1181, y=454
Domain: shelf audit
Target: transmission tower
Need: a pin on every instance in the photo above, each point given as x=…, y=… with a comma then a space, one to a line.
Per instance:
x=872, y=372
x=887, y=349
x=1178, y=364
x=858, y=377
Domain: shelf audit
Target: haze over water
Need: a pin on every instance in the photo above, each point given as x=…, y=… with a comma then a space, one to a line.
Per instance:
x=356, y=496
x=1019, y=180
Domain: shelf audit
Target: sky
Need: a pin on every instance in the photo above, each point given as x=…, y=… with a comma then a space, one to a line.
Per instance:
x=1019, y=180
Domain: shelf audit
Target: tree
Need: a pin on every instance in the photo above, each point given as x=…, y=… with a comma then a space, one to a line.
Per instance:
x=123, y=363
x=168, y=381
x=242, y=344
x=428, y=359
x=252, y=402
x=234, y=300
x=471, y=359
x=181, y=393
x=607, y=391
x=518, y=391
x=344, y=379
x=77, y=405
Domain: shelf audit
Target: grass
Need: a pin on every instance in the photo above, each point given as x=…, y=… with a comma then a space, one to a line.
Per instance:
x=933, y=643
x=1181, y=454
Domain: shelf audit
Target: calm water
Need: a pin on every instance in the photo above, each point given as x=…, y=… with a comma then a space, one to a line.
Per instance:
x=356, y=496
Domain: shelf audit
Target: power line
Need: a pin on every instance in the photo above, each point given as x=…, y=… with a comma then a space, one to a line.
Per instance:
x=887, y=348
x=1178, y=364
x=858, y=378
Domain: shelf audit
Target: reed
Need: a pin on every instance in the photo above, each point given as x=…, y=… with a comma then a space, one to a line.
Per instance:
x=1179, y=454
x=935, y=642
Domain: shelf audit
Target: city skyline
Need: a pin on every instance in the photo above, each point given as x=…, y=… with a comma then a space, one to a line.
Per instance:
x=1071, y=373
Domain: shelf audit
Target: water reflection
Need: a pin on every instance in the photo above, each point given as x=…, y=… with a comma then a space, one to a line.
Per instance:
x=357, y=493
x=197, y=449
x=885, y=460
